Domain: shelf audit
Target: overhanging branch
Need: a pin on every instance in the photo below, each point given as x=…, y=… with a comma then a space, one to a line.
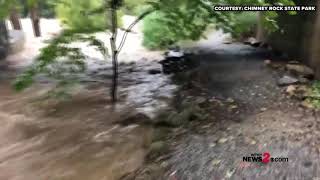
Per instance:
x=139, y=18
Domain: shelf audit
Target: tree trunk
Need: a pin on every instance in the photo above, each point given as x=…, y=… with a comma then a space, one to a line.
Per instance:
x=35, y=18
x=315, y=48
x=15, y=19
x=260, y=34
x=113, y=40
x=4, y=40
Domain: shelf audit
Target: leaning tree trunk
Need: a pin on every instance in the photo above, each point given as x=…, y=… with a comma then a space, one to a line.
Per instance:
x=15, y=19
x=35, y=18
x=113, y=40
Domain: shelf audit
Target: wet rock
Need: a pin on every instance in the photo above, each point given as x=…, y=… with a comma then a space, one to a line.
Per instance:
x=300, y=70
x=287, y=80
x=176, y=61
x=252, y=42
x=154, y=71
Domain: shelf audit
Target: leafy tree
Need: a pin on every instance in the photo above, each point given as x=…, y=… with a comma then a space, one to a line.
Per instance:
x=11, y=6
x=72, y=13
x=188, y=19
x=182, y=19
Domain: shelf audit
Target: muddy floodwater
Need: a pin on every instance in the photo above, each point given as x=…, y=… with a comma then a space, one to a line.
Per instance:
x=80, y=137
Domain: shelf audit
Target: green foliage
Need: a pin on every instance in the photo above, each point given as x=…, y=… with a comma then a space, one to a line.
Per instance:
x=156, y=33
x=84, y=15
x=73, y=14
x=5, y=6
x=245, y=23
x=172, y=23
x=133, y=7
x=188, y=19
x=46, y=7
x=314, y=95
x=60, y=61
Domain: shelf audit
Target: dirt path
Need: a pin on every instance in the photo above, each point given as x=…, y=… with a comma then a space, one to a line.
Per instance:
x=248, y=114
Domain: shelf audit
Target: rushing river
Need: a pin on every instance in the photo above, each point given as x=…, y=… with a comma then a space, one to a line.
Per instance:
x=79, y=138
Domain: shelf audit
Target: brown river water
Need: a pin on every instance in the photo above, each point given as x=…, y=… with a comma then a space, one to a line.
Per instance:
x=78, y=138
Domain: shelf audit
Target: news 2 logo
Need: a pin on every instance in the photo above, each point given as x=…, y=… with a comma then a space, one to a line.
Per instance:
x=264, y=158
